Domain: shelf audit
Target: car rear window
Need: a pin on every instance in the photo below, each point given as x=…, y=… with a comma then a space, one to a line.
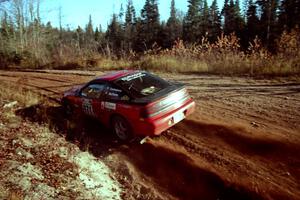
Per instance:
x=141, y=84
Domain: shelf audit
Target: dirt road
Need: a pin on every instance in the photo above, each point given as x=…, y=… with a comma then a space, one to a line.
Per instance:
x=242, y=142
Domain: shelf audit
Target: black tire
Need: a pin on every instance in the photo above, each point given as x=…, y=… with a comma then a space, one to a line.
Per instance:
x=68, y=108
x=121, y=128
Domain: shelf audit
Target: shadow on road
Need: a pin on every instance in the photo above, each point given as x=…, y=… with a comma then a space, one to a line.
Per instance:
x=87, y=133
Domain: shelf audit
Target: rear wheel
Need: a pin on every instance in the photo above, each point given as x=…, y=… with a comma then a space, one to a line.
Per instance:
x=121, y=128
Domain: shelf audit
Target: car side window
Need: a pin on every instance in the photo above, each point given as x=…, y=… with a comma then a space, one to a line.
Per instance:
x=114, y=93
x=93, y=91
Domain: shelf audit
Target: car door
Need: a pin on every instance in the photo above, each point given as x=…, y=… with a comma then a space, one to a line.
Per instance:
x=115, y=101
x=92, y=98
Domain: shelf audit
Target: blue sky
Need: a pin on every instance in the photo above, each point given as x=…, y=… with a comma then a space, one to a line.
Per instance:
x=76, y=12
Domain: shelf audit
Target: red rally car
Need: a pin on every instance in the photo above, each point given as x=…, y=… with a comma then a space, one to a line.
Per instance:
x=131, y=102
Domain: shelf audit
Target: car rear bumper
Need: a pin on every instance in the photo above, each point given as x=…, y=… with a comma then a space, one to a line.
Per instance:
x=152, y=127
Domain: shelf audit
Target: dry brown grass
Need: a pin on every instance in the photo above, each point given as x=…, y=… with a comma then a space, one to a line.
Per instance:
x=10, y=92
x=169, y=63
x=225, y=57
x=13, y=98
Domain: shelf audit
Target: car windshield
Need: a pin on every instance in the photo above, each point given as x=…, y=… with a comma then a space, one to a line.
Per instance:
x=141, y=84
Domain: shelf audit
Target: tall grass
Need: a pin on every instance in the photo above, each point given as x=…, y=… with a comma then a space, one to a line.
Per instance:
x=9, y=92
x=224, y=56
x=221, y=57
x=170, y=63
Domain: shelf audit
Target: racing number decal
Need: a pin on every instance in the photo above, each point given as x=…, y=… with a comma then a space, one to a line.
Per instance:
x=87, y=107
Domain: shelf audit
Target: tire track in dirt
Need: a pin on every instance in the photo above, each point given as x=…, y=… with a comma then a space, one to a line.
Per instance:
x=49, y=87
x=263, y=117
x=221, y=112
x=234, y=156
x=179, y=175
x=234, y=108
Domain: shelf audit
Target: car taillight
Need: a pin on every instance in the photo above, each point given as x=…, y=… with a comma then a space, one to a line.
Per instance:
x=172, y=101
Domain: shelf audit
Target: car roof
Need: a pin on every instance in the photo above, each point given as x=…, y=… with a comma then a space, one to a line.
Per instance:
x=116, y=75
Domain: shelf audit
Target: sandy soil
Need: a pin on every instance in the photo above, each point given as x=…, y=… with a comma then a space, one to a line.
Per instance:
x=241, y=143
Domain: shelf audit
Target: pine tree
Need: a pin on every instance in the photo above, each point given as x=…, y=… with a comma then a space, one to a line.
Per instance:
x=225, y=14
x=191, y=21
x=268, y=20
x=129, y=26
x=289, y=14
x=173, y=27
x=231, y=18
x=238, y=19
x=233, y=21
x=150, y=23
x=100, y=41
x=139, y=42
x=114, y=35
x=214, y=21
x=245, y=5
x=80, y=37
x=97, y=35
x=172, y=12
x=204, y=19
x=121, y=13
x=238, y=15
x=130, y=14
x=89, y=30
x=252, y=21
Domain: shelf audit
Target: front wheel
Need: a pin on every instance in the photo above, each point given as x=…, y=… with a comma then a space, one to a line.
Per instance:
x=121, y=128
x=68, y=108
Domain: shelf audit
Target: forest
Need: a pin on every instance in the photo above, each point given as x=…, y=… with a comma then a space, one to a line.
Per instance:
x=239, y=37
